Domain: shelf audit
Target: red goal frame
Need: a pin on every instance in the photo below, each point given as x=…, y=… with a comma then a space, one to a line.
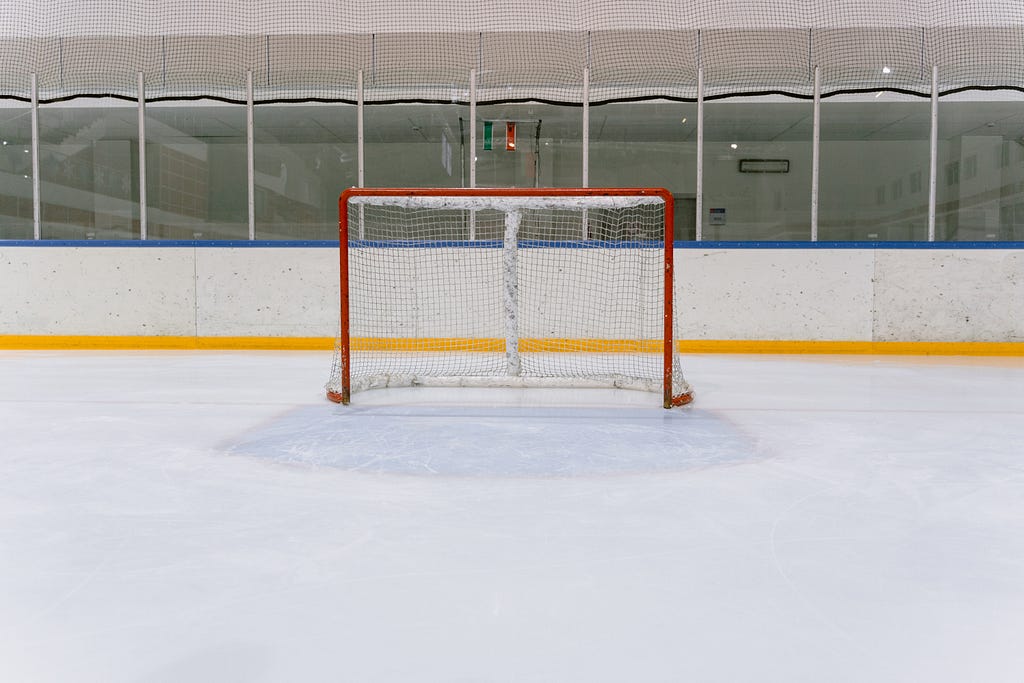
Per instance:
x=668, y=279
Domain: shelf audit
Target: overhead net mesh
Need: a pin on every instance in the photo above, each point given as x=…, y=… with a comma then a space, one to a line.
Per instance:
x=506, y=291
x=530, y=49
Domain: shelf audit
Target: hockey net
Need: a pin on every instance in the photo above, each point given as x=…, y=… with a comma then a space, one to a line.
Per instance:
x=516, y=287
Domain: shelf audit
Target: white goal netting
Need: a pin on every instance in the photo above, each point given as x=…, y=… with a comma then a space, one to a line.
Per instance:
x=506, y=291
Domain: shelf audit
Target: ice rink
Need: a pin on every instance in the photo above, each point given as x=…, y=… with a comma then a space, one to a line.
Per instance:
x=209, y=516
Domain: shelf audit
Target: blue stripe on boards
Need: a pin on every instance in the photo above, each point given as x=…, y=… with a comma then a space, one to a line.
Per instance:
x=497, y=244
x=490, y=244
x=202, y=244
x=711, y=244
x=423, y=244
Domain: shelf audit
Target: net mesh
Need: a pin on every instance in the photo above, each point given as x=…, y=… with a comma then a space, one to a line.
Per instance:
x=529, y=49
x=500, y=291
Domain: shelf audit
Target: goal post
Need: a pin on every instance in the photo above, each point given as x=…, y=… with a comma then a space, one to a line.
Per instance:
x=507, y=287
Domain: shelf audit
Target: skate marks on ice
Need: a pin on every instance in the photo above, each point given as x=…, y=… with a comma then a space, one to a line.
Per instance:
x=500, y=438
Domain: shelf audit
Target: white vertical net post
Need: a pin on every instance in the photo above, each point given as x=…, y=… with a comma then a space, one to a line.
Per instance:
x=510, y=252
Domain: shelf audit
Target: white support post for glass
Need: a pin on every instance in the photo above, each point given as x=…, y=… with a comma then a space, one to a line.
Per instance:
x=472, y=127
x=251, y=154
x=700, y=155
x=37, y=204
x=472, y=147
x=586, y=145
x=360, y=159
x=586, y=128
x=815, y=154
x=934, y=160
x=143, y=209
x=360, y=150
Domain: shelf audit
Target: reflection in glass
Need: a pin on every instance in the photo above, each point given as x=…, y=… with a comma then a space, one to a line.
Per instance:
x=416, y=145
x=648, y=144
x=547, y=149
x=305, y=156
x=873, y=178
x=196, y=179
x=874, y=170
x=979, y=189
x=88, y=170
x=744, y=205
x=15, y=172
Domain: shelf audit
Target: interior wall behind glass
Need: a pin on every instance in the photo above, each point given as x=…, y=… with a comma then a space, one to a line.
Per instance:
x=305, y=156
x=15, y=171
x=547, y=149
x=757, y=169
x=416, y=145
x=980, y=168
x=88, y=170
x=874, y=168
x=647, y=144
x=196, y=171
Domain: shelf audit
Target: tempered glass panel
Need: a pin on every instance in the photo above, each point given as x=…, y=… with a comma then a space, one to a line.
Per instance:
x=873, y=176
x=648, y=144
x=744, y=205
x=546, y=149
x=417, y=145
x=196, y=171
x=88, y=170
x=15, y=172
x=980, y=169
x=305, y=156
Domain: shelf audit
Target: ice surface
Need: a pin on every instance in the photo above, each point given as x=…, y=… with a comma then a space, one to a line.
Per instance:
x=193, y=516
x=499, y=441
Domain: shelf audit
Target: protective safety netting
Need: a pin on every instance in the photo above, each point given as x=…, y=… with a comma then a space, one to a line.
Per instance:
x=424, y=50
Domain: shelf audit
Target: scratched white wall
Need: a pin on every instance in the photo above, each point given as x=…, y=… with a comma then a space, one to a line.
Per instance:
x=784, y=294
x=790, y=294
x=97, y=291
x=972, y=295
x=266, y=292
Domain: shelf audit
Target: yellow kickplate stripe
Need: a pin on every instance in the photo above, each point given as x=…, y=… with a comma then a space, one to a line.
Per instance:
x=158, y=343
x=591, y=345
x=433, y=344
x=853, y=347
x=495, y=345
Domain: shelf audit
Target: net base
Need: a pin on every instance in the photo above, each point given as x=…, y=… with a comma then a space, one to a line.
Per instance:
x=680, y=395
x=484, y=370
